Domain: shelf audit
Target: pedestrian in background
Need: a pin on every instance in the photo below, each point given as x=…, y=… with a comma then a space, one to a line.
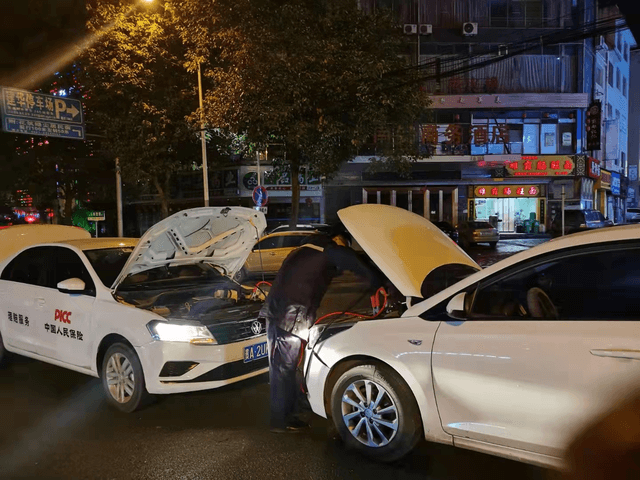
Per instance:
x=290, y=311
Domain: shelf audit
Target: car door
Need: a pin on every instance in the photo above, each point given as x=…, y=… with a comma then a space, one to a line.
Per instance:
x=263, y=256
x=25, y=285
x=289, y=243
x=67, y=334
x=504, y=378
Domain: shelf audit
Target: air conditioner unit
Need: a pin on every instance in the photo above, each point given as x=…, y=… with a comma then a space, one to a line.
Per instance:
x=410, y=28
x=503, y=50
x=426, y=29
x=469, y=28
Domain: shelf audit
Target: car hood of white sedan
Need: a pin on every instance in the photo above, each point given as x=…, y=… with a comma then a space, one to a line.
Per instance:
x=405, y=246
x=222, y=236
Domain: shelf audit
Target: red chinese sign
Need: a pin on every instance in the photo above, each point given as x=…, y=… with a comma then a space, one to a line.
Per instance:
x=503, y=191
x=545, y=166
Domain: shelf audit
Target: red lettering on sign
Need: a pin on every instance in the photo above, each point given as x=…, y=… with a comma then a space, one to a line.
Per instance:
x=494, y=191
x=482, y=191
x=507, y=191
x=568, y=165
x=513, y=165
x=520, y=191
x=527, y=165
x=533, y=191
x=541, y=165
x=62, y=316
x=555, y=165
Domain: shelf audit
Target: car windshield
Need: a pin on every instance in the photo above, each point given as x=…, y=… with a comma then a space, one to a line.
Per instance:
x=593, y=216
x=167, y=276
x=108, y=262
x=480, y=225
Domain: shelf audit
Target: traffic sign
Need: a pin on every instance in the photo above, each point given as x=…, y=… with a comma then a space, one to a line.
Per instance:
x=260, y=196
x=32, y=113
x=96, y=216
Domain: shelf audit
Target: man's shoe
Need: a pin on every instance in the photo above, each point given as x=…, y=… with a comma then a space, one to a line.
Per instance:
x=278, y=430
x=297, y=426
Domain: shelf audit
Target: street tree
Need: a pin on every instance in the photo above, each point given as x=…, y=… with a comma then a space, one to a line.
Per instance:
x=140, y=95
x=319, y=76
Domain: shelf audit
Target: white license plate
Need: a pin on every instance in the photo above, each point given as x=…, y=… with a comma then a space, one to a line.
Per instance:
x=255, y=352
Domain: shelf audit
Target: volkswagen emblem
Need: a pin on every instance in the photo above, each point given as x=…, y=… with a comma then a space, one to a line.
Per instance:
x=256, y=327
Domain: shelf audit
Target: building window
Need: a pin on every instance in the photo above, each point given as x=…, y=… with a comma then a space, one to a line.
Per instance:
x=599, y=77
x=618, y=85
x=625, y=49
x=609, y=110
x=617, y=114
x=610, y=74
x=623, y=159
x=618, y=43
x=627, y=54
x=517, y=13
x=624, y=86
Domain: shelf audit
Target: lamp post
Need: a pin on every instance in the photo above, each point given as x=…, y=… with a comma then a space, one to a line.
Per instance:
x=203, y=141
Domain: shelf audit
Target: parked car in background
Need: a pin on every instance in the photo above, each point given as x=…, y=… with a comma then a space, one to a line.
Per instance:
x=449, y=229
x=306, y=227
x=632, y=215
x=268, y=254
x=477, y=231
x=578, y=221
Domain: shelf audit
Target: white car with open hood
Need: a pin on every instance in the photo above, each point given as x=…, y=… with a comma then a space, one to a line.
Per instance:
x=158, y=315
x=512, y=360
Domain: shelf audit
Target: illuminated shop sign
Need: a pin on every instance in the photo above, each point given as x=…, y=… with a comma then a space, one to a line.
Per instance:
x=593, y=167
x=541, y=166
x=605, y=179
x=506, y=191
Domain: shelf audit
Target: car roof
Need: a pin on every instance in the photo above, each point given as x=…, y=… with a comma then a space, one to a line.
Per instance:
x=598, y=236
x=100, y=243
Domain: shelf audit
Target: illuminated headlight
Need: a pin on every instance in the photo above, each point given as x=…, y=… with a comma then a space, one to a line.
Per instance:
x=171, y=332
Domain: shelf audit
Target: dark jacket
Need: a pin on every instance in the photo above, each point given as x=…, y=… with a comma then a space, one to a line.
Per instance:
x=304, y=278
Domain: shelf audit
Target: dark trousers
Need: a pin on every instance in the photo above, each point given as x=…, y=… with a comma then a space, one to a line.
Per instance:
x=284, y=355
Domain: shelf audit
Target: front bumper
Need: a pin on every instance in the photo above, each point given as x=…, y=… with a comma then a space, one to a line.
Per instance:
x=215, y=365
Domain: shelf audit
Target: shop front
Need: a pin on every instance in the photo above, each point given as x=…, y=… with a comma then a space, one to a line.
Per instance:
x=514, y=207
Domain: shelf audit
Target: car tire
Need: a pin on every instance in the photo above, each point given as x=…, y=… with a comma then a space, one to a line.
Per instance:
x=385, y=437
x=240, y=275
x=121, y=368
x=493, y=244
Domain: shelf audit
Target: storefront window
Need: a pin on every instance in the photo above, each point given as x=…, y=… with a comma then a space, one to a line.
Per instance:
x=548, y=142
x=530, y=138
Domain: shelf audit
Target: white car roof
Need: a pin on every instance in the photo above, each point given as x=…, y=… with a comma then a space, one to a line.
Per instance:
x=602, y=235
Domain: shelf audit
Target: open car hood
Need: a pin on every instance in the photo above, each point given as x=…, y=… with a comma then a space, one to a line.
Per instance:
x=222, y=236
x=405, y=246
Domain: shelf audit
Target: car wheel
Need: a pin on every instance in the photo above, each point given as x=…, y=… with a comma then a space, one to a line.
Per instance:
x=375, y=412
x=493, y=244
x=240, y=275
x=123, y=379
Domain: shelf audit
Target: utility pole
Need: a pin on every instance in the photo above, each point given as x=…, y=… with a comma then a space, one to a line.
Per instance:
x=203, y=141
x=118, y=199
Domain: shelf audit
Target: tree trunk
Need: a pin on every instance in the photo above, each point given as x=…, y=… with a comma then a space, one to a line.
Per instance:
x=295, y=189
x=162, y=192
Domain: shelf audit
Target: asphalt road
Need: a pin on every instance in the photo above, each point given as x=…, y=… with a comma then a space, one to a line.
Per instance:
x=56, y=425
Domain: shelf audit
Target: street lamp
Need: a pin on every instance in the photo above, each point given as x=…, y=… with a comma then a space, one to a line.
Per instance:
x=203, y=141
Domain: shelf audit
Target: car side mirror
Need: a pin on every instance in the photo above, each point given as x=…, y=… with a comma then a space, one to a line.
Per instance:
x=456, y=308
x=71, y=285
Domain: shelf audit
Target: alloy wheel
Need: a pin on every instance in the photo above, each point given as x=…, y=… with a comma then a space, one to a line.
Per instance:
x=369, y=413
x=120, y=378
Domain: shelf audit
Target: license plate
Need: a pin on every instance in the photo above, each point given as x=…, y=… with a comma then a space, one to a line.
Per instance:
x=255, y=352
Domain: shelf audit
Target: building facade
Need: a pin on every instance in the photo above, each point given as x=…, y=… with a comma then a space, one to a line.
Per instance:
x=506, y=137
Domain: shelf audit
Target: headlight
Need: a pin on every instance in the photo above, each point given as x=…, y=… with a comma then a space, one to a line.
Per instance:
x=172, y=332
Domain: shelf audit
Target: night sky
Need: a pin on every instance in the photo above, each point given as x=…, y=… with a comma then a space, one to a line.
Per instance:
x=29, y=28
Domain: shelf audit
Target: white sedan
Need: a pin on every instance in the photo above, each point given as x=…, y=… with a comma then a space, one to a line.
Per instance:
x=511, y=360
x=154, y=316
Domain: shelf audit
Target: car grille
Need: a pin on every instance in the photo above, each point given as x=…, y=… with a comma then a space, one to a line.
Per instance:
x=238, y=330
